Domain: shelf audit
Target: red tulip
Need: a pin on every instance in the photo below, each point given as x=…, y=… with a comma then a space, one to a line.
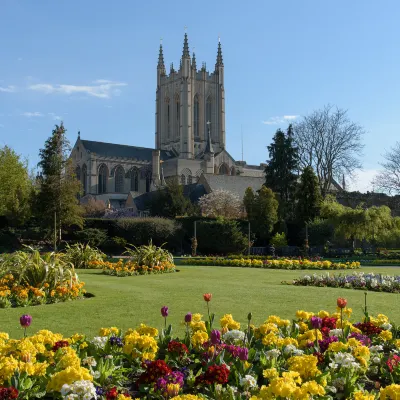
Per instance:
x=207, y=297
x=341, y=302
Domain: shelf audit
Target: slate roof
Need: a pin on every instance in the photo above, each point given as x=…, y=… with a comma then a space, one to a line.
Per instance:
x=234, y=183
x=124, y=151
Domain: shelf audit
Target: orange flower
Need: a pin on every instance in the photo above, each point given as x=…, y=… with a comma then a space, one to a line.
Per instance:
x=207, y=297
x=341, y=302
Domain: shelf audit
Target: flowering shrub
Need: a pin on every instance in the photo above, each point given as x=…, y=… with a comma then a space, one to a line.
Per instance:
x=370, y=281
x=129, y=268
x=318, y=355
x=273, y=264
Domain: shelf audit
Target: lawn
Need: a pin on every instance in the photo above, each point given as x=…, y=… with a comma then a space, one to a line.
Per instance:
x=125, y=302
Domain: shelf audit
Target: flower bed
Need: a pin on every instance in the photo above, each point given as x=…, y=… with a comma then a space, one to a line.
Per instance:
x=382, y=262
x=316, y=356
x=363, y=281
x=274, y=264
x=15, y=294
x=28, y=279
x=130, y=268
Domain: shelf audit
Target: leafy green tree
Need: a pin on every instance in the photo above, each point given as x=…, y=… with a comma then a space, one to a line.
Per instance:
x=358, y=223
x=262, y=211
x=280, y=172
x=279, y=240
x=16, y=188
x=170, y=201
x=308, y=196
x=57, y=200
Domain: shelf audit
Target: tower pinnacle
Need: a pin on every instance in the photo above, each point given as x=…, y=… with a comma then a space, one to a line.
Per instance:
x=185, y=47
x=194, y=66
x=160, y=64
x=219, y=62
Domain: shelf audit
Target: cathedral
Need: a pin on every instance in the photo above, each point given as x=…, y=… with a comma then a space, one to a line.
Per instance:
x=190, y=142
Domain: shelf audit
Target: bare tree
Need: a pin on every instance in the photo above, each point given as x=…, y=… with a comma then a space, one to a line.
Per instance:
x=329, y=142
x=388, y=180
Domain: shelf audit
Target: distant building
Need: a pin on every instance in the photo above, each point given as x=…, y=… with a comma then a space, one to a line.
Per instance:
x=190, y=141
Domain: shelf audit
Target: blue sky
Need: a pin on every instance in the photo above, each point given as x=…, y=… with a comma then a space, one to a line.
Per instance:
x=92, y=64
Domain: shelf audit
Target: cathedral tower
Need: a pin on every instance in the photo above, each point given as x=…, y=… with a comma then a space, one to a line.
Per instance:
x=186, y=100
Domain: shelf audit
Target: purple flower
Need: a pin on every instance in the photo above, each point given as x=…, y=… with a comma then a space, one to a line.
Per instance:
x=316, y=322
x=188, y=317
x=164, y=311
x=324, y=344
x=365, y=340
x=25, y=321
x=215, y=336
x=116, y=341
x=243, y=353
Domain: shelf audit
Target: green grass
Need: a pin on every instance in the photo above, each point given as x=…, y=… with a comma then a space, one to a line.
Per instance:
x=125, y=302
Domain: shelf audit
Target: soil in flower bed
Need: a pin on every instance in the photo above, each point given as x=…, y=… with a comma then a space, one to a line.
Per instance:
x=361, y=281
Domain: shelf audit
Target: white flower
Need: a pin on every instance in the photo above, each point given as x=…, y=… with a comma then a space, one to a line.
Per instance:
x=335, y=332
x=233, y=335
x=376, y=360
x=248, y=381
x=386, y=326
x=79, y=390
x=339, y=383
x=65, y=389
x=109, y=357
x=290, y=348
x=376, y=349
x=90, y=361
x=298, y=352
x=100, y=341
x=274, y=353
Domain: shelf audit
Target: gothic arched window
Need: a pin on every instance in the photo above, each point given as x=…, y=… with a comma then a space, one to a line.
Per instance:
x=119, y=179
x=186, y=176
x=134, y=180
x=178, y=114
x=224, y=170
x=167, y=116
x=103, y=176
x=196, y=117
x=78, y=173
x=84, y=179
x=209, y=109
x=148, y=181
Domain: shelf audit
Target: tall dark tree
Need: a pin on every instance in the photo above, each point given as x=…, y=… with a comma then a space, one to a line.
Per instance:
x=308, y=196
x=281, y=170
x=261, y=208
x=57, y=203
x=170, y=201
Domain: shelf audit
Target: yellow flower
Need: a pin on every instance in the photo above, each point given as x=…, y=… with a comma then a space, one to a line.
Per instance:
x=147, y=330
x=274, y=319
x=312, y=388
x=300, y=314
x=270, y=373
x=270, y=339
x=305, y=365
x=198, y=338
x=359, y=395
x=227, y=321
x=83, y=345
x=187, y=397
x=267, y=328
x=323, y=314
x=391, y=392
x=68, y=376
x=337, y=346
x=386, y=335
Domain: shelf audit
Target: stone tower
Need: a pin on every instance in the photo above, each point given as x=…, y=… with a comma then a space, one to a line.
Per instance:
x=186, y=100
